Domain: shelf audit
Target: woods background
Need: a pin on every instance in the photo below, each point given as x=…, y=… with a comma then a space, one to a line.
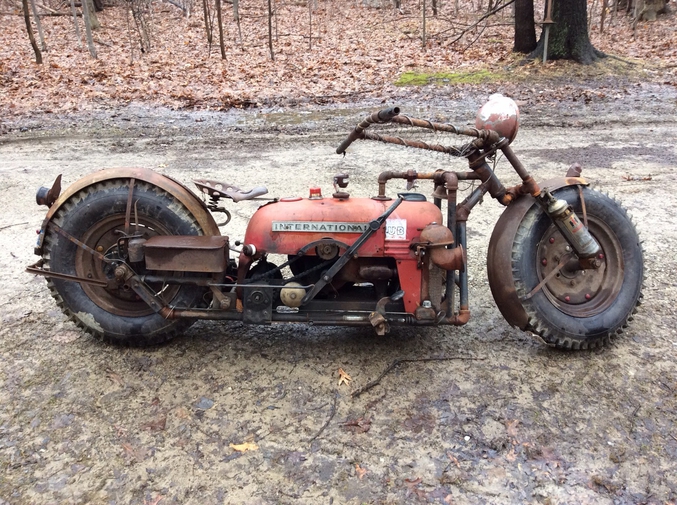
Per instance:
x=284, y=51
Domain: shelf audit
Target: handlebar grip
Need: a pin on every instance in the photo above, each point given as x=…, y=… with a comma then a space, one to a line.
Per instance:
x=382, y=116
x=348, y=140
x=386, y=115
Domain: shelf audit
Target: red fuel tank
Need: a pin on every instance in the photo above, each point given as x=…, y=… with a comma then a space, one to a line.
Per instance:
x=288, y=225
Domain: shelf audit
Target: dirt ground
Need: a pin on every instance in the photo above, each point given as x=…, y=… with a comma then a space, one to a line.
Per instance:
x=498, y=418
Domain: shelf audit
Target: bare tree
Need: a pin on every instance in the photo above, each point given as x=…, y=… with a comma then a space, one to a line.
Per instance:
x=270, y=29
x=88, y=28
x=75, y=22
x=569, y=38
x=38, y=24
x=525, y=29
x=220, y=23
x=208, y=22
x=31, y=37
x=141, y=14
x=236, y=14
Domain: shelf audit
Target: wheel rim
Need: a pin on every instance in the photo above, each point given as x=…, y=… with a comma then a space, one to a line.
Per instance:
x=576, y=292
x=116, y=298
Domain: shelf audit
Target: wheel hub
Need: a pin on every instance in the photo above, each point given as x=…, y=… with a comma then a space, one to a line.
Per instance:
x=574, y=289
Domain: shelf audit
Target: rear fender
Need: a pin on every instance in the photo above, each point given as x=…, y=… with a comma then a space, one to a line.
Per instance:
x=499, y=255
x=179, y=191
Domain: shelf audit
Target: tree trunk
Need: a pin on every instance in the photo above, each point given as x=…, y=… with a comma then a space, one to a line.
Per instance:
x=93, y=19
x=220, y=23
x=236, y=15
x=270, y=29
x=43, y=45
x=423, y=34
x=75, y=23
x=31, y=37
x=88, y=28
x=310, y=25
x=208, y=26
x=525, y=29
x=569, y=39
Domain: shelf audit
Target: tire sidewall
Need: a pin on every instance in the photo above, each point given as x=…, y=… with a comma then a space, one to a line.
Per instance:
x=553, y=325
x=86, y=209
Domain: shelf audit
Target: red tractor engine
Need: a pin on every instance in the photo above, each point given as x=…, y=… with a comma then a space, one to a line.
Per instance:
x=406, y=254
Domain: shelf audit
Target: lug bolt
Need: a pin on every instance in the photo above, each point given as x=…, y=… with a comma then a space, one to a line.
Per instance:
x=600, y=256
x=587, y=296
x=544, y=262
x=552, y=240
x=99, y=248
x=567, y=298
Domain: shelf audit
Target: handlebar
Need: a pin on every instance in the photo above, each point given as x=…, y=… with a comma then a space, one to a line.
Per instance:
x=391, y=115
x=382, y=116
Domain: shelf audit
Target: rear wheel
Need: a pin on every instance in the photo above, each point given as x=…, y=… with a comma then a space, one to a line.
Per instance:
x=577, y=308
x=96, y=217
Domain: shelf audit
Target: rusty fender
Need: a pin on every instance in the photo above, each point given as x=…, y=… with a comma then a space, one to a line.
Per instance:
x=499, y=255
x=194, y=205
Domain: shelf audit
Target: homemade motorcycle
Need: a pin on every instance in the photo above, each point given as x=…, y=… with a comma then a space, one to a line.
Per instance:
x=134, y=257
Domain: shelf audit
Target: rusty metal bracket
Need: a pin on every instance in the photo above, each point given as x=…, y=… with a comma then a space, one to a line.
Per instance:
x=37, y=269
x=128, y=210
x=585, y=213
x=81, y=245
x=547, y=278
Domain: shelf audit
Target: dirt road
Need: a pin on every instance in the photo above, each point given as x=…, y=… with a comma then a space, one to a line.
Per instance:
x=499, y=418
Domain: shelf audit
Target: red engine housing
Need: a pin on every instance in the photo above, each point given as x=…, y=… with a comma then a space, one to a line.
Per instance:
x=290, y=224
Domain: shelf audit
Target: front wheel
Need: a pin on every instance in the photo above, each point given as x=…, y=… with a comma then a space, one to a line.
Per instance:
x=578, y=308
x=97, y=217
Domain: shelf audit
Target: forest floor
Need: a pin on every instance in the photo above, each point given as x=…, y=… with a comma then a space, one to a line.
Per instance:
x=355, y=53
x=228, y=413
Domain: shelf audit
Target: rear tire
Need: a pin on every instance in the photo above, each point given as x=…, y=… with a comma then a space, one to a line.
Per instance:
x=96, y=217
x=579, y=309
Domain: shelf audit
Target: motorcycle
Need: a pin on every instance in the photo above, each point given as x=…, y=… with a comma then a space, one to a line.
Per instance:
x=135, y=257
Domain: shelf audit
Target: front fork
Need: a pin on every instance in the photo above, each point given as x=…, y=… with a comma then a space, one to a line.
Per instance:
x=568, y=223
x=562, y=214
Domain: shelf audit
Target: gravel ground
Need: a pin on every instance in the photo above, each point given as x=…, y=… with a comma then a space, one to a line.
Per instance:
x=494, y=417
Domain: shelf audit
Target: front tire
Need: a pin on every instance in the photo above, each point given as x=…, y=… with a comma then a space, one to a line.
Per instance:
x=96, y=216
x=578, y=308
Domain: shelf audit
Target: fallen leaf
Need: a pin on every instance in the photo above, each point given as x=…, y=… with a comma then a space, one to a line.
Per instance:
x=157, y=424
x=359, y=471
x=136, y=453
x=344, y=378
x=244, y=447
x=637, y=177
x=115, y=377
x=359, y=425
x=182, y=413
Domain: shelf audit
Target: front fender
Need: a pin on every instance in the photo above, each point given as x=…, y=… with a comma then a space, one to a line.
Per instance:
x=178, y=190
x=499, y=255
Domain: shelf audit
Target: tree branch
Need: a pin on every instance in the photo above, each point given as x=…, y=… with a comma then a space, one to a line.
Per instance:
x=397, y=362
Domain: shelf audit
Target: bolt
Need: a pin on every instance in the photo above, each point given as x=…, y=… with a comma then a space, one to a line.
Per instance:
x=552, y=240
x=600, y=256
x=587, y=296
x=544, y=262
x=567, y=249
x=567, y=298
x=99, y=248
